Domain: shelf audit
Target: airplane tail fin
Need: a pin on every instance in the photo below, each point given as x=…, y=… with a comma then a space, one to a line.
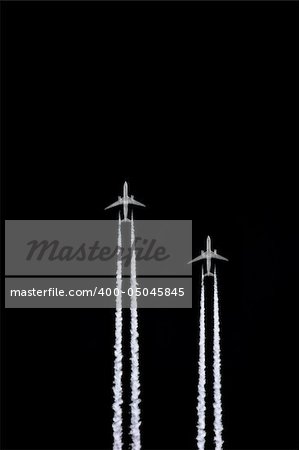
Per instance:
x=209, y=274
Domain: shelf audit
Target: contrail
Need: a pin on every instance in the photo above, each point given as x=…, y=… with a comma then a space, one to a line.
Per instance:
x=117, y=383
x=218, y=427
x=201, y=405
x=135, y=384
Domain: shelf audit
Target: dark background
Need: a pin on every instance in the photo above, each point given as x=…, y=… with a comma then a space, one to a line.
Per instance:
x=193, y=104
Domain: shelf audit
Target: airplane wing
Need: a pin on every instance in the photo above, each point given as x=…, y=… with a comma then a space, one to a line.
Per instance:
x=202, y=256
x=215, y=255
x=119, y=202
x=134, y=202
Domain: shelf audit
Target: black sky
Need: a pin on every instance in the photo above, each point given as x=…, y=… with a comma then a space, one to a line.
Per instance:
x=193, y=104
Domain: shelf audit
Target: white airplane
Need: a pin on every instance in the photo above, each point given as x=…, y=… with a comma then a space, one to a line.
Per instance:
x=125, y=200
x=208, y=255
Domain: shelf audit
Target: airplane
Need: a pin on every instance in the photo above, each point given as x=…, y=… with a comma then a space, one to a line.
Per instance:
x=125, y=200
x=208, y=255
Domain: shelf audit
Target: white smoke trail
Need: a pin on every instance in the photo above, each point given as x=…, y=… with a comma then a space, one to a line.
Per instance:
x=135, y=384
x=201, y=405
x=218, y=427
x=117, y=383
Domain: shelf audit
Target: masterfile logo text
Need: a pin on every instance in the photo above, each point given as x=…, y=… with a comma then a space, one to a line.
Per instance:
x=87, y=247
